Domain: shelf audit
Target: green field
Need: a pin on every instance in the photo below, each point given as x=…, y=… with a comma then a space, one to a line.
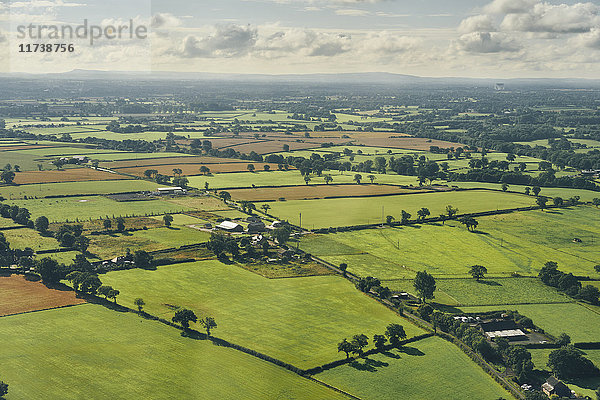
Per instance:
x=91, y=352
x=75, y=188
x=585, y=195
x=579, y=322
x=65, y=257
x=93, y=207
x=430, y=369
x=298, y=320
x=109, y=246
x=21, y=238
x=491, y=291
x=518, y=242
x=324, y=213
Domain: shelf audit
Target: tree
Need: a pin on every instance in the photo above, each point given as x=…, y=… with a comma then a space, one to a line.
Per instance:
x=306, y=179
x=558, y=201
x=282, y=234
x=563, y=339
x=139, y=303
x=81, y=263
x=395, y=333
x=527, y=190
x=204, y=170
x=208, y=323
x=357, y=178
x=596, y=202
x=597, y=267
x=143, y=259
x=107, y=224
x=346, y=347
x=359, y=342
x=104, y=290
x=3, y=388
x=598, y=393
x=478, y=272
x=250, y=167
x=379, y=341
x=536, y=190
x=226, y=196
x=167, y=219
x=84, y=282
x=405, y=217
x=423, y=213
x=504, y=187
x=451, y=211
x=120, y=224
x=424, y=285
x=589, y=293
x=569, y=362
x=328, y=178
x=81, y=243
x=41, y=224
x=470, y=222
x=343, y=268
x=267, y=167
x=184, y=316
x=49, y=269
x=7, y=176
x=371, y=178
x=389, y=219
x=542, y=201
x=265, y=208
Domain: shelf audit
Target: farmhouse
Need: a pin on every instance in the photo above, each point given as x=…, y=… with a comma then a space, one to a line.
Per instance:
x=230, y=226
x=555, y=387
x=503, y=329
x=171, y=190
x=254, y=227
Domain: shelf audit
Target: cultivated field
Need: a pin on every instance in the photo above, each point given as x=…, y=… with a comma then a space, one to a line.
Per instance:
x=69, y=175
x=325, y=213
x=18, y=295
x=94, y=353
x=298, y=320
x=181, y=159
x=22, y=238
x=194, y=169
x=76, y=188
x=415, y=372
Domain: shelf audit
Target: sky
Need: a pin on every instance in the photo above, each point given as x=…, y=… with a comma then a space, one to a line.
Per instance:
x=458, y=38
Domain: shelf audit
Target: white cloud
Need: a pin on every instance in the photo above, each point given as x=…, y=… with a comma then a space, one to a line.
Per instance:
x=301, y=43
x=225, y=41
x=562, y=18
x=44, y=4
x=509, y=6
x=352, y=12
x=589, y=39
x=164, y=20
x=486, y=42
x=477, y=23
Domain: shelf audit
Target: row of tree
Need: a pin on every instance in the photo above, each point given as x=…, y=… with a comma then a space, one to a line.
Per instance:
x=568, y=283
x=394, y=334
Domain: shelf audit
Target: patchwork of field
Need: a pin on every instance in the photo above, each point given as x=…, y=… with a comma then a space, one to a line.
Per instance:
x=411, y=143
x=565, y=193
x=357, y=211
x=181, y=159
x=17, y=295
x=316, y=192
x=94, y=207
x=518, y=242
x=76, y=188
x=428, y=369
x=120, y=355
x=578, y=321
x=194, y=169
x=298, y=320
x=69, y=175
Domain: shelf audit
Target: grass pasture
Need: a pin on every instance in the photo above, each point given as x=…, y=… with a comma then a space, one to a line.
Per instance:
x=93, y=207
x=194, y=169
x=97, y=353
x=17, y=295
x=518, y=242
x=416, y=372
x=298, y=320
x=316, y=192
x=357, y=211
x=21, y=238
x=75, y=188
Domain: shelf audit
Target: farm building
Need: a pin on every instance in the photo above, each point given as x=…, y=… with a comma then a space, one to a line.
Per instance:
x=171, y=190
x=230, y=226
x=254, y=227
x=503, y=329
x=553, y=386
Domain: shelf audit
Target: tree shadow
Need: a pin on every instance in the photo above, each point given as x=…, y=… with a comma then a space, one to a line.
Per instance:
x=411, y=351
x=368, y=365
x=59, y=286
x=477, y=231
x=391, y=355
x=447, y=308
x=554, y=212
x=173, y=228
x=103, y=302
x=489, y=283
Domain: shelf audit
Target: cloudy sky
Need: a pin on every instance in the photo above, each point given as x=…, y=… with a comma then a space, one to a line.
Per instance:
x=476, y=38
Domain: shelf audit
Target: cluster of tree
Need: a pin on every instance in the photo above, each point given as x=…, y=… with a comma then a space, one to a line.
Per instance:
x=184, y=316
x=425, y=286
x=119, y=224
x=568, y=283
x=8, y=175
x=569, y=362
x=72, y=236
x=114, y=126
x=393, y=334
x=19, y=215
x=369, y=284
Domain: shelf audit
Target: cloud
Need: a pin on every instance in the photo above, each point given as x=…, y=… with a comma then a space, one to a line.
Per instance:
x=477, y=23
x=486, y=42
x=590, y=39
x=352, y=12
x=562, y=18
x=44, y=3
x=164, y=20
x=387, y=44
x=2, y=37
x=226, y=41
x=509, y=6
x=302, y=43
